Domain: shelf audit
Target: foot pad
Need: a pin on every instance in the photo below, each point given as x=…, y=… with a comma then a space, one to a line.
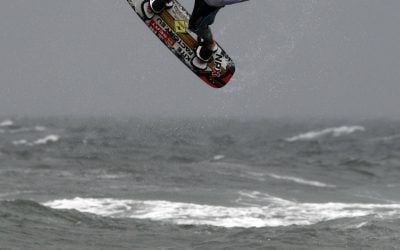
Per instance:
x=199, y=64
x=147, y=11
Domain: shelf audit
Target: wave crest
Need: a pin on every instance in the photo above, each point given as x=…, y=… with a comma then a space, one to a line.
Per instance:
x=277, y=212
x=42, y=141
x=335, y=132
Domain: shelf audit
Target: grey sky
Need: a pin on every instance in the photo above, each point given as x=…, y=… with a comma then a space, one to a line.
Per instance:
x=294, y=57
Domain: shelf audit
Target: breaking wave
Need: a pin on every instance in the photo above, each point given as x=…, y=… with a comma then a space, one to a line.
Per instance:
x=42, y=141
x=277, y=212
x=9, y=126
x=335, y=132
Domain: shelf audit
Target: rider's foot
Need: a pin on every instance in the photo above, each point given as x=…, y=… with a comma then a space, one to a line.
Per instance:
x=159, y=5
x=203, y=56
x=152, y=7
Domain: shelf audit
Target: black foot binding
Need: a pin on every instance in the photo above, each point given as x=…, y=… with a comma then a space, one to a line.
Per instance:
x=157, y=6
x=203, y=56
x=152, y=7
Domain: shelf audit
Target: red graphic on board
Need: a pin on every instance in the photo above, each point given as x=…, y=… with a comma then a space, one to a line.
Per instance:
x=162, y=33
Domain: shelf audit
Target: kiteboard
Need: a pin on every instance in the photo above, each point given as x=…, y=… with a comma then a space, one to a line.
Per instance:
x=171, y=27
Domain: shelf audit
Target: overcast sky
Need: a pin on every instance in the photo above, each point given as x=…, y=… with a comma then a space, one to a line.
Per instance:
x=293, y=57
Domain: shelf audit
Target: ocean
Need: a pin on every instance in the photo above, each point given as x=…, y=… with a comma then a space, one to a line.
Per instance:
x=199, y=183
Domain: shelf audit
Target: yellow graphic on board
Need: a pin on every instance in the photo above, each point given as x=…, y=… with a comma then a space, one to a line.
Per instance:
x=180, y=26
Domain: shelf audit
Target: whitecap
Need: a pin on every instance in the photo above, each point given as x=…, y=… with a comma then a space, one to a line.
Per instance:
x=335, y=132
x=301, y=181
x=279, y=212
x=42, y=141
x=218, y=157
x=6, y=123
x=47, y=139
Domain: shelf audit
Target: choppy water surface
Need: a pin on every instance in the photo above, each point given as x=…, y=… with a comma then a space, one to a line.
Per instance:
x=102, y=183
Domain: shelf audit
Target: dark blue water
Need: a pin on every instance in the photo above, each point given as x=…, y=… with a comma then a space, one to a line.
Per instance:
x=136, y=183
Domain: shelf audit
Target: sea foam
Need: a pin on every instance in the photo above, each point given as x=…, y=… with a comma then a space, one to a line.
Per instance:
x=279, y=212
